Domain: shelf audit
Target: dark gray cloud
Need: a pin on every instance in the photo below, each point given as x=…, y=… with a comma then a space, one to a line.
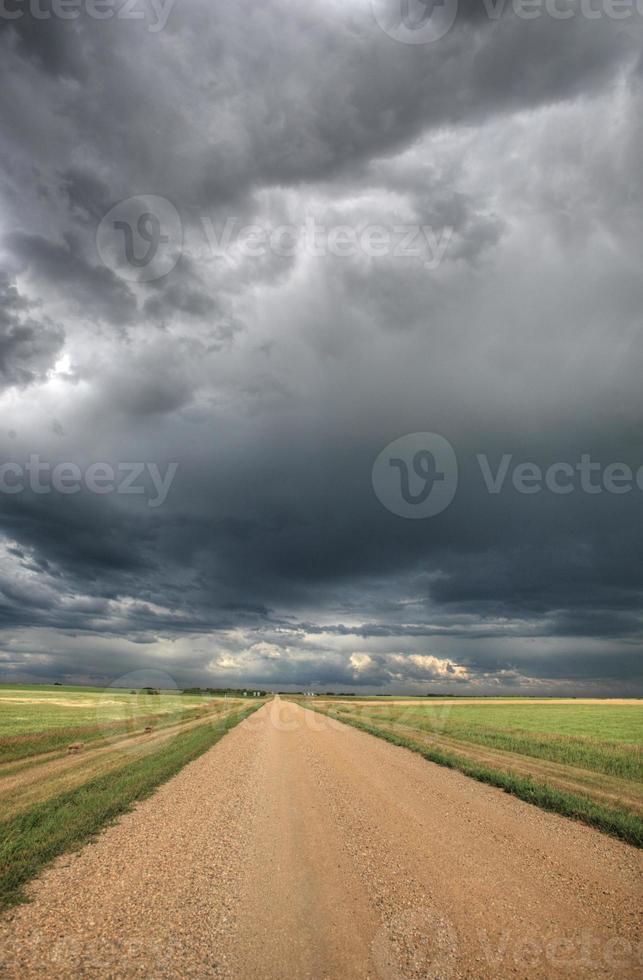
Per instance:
x=64, y=265
x=28, y=346
x=503, y=314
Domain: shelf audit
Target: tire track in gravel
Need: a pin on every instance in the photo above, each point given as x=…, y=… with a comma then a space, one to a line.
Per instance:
x=301, y=848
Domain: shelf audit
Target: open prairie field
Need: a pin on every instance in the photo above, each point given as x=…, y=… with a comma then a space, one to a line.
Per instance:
x=71, y=759
x=39, y=718
x=583, y=758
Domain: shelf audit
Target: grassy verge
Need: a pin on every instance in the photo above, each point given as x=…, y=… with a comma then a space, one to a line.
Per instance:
x=608, y=757
x=33, y=839
x=14, y=748
x=19, y=748
x=618, y=823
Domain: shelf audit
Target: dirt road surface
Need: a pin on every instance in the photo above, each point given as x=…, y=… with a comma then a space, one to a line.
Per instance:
x=301, y=848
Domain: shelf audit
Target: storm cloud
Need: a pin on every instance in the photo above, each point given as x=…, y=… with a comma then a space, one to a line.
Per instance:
x=363, y=239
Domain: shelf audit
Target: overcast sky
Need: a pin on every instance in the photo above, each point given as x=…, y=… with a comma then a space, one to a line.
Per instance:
x=447, y=239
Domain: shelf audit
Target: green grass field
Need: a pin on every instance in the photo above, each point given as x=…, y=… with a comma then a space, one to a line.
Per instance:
x=42, y=719
x=52, y=801
x=29, y=709
x=604, y=738
x=580, y=758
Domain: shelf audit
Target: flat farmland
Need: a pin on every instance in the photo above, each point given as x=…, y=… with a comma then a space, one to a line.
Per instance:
x=582, y=758
x=300, y=847
x=72, y=759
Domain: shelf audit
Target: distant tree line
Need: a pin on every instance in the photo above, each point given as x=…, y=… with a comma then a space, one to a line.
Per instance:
x=235, y=692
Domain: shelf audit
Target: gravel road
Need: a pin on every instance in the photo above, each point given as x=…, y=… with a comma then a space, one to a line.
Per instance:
x=301, y=848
